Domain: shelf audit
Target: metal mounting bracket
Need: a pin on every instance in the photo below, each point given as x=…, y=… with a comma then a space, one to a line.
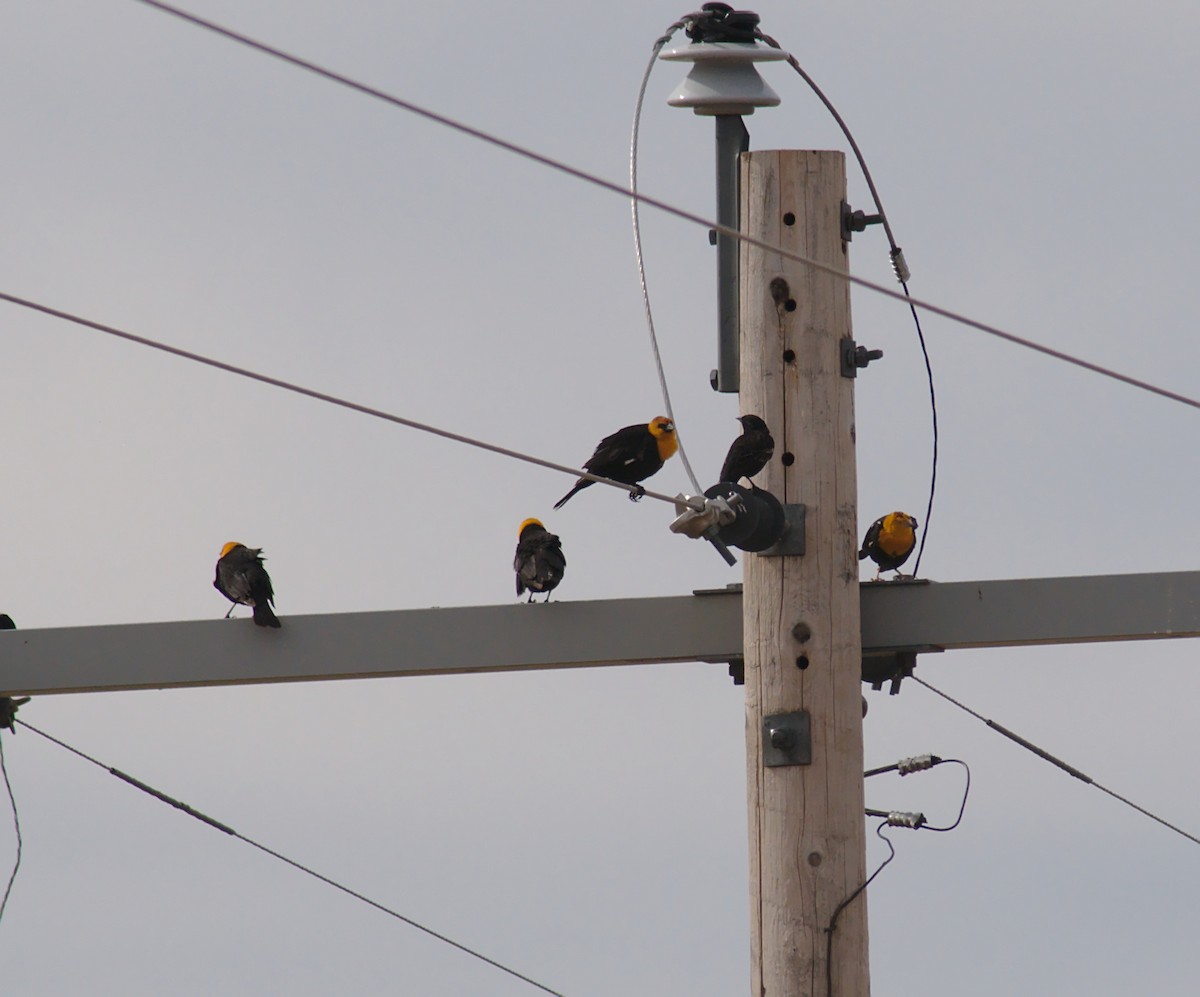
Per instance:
x=787, y=739
x=791, y=544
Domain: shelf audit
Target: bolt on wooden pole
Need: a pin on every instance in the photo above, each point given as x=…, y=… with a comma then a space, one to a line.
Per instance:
x=801, y=613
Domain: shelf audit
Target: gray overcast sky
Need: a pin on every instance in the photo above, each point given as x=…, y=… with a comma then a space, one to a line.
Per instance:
x=1038, y=165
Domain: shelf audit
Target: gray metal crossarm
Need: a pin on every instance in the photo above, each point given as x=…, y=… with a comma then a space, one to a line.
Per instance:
x=371, y=645
x=1025, y=611
x=896, y=616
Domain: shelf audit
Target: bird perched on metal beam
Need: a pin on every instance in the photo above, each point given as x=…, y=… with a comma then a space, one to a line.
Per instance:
x=889, y=541
x=749, y=453
x=539, y=561
x=243, y=580
x=8, y=705
x=630, y=455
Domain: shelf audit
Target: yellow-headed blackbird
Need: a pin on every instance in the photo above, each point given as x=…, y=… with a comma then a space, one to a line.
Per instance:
x=889, y=541
x=241, y=578
x=539, y=562
x=630, y=455
x=749, y=453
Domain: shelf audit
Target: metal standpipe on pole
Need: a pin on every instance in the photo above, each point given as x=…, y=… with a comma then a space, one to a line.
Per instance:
x=732, y=140
x=723, y=84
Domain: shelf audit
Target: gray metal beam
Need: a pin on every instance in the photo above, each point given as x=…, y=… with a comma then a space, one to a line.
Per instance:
x=371, y=645
x=705, y=627
x=1018, y=612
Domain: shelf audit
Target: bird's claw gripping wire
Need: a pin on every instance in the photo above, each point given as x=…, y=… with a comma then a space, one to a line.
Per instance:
x=637, y=493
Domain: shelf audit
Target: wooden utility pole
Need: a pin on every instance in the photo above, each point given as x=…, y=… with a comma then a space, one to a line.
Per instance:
x=801, y=619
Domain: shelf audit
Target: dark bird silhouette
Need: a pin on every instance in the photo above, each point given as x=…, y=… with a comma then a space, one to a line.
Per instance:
x=539, y=561
x=243, y=580
x=749, y=453
x=8, y=705
x=889, y=541
x=630, y=455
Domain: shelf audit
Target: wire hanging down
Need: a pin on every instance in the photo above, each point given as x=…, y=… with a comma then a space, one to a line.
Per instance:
x=663, y=206
x=1057, y=763
x=178, y=805
x=637, y=247
x=846, y=903
x=334, y=399
x=899, y=266
x=16, y=826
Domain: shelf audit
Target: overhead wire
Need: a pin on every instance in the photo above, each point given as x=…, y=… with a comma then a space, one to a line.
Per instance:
x=665, y=207
x=225, y=828
x=16, y=826
x=1056, y=762
x=637, y=245
x=899, y=267
x=332, y=399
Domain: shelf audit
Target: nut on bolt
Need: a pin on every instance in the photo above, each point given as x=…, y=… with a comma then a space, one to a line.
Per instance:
x=863, y=356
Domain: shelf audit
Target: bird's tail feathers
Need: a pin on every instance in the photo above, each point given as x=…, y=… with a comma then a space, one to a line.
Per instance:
x=579, y=485
x=264, y=616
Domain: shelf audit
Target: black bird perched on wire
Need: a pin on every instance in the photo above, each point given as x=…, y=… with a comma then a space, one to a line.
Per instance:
x=242, y=579
x=749, y=453
x=889, y=541
x=539, y=561
x=630, y=456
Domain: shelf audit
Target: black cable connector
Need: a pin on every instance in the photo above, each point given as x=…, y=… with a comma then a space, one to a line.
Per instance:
x=718, y=22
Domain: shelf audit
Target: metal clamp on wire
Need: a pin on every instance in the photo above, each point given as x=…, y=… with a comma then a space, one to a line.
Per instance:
x=706, y=523
x=698, y=523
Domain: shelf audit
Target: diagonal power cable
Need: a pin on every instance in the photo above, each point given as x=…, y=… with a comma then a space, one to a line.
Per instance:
x=663, y=206
x=1057, y=763
x=203, y=818
x=330, y=399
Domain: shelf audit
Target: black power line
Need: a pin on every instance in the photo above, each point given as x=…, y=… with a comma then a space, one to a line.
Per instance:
x=179, y=805
x=1056, y=762
x=16, y=825
x=898, y=265
x=561, y=167
x=324, y=397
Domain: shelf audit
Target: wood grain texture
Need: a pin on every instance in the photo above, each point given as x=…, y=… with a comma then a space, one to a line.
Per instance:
x=807, y=843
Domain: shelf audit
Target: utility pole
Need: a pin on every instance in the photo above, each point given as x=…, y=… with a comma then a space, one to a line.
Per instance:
x=801, y=620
